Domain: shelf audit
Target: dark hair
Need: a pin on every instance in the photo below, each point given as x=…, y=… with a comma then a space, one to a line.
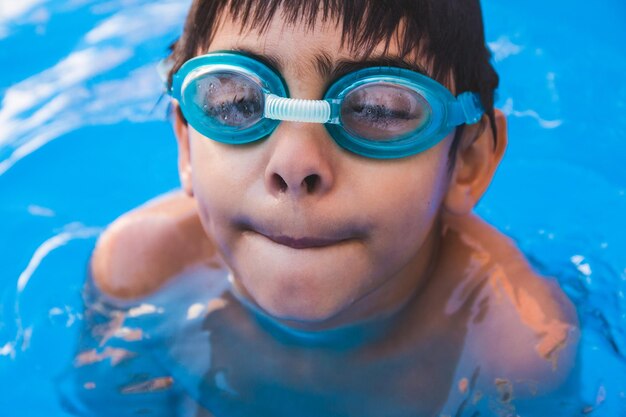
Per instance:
x=448, y=33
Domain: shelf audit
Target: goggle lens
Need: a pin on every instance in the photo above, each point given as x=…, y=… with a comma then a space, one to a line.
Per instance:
x=383, y=111
x=229, y=99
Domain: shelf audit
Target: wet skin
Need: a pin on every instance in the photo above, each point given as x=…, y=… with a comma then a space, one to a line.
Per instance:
x=322, y=243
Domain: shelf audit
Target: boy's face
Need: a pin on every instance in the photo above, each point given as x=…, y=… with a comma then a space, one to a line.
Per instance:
x=311, y=231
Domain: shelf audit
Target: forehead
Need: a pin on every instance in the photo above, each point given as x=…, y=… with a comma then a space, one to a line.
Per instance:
x=304, y=49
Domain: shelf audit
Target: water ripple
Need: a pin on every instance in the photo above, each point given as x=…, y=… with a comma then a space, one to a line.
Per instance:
x=67, y=96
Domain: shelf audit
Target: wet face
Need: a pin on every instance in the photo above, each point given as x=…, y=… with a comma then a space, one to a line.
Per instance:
x=315, y=235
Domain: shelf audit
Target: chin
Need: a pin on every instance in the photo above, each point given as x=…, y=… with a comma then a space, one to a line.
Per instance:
x=300, y=305
x=301, y=285
x=303, y=313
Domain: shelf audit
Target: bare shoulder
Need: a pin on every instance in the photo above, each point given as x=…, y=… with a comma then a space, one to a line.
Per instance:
x=523, y=327
x=149, y=245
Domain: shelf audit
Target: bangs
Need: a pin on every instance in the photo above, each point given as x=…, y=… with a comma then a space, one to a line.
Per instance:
x=364, y=23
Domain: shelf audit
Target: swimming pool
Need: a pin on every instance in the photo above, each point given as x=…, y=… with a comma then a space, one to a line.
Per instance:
x=82, y=139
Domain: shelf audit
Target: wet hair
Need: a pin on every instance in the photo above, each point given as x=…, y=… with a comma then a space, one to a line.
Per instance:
x=448, y=34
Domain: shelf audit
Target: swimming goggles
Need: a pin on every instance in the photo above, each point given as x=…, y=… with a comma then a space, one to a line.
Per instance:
x=377, y=112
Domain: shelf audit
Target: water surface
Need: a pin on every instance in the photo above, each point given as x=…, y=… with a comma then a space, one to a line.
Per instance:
x=83, y=138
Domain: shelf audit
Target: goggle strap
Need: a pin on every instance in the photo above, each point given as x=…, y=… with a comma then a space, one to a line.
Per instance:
x=297, y=110
x=470, y=107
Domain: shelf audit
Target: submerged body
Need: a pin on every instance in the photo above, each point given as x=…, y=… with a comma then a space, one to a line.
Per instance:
x=484, y=333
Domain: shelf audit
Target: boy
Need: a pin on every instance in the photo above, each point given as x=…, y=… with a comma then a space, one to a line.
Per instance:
x=331, y=261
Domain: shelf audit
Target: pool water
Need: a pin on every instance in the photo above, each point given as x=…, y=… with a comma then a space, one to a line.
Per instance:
x=84, y=138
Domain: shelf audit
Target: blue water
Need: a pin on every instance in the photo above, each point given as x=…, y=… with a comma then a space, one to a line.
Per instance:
x=82, y=140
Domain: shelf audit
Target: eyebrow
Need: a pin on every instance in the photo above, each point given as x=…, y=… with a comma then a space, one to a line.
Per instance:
x=332, y=71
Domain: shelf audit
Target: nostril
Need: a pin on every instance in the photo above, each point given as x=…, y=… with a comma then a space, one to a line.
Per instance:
x=279, y=183
x=311, y=182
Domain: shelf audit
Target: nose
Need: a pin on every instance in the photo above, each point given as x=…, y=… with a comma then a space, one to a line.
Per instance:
x=300, y=163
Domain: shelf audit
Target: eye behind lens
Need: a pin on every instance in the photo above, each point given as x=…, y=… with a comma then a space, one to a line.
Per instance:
x=228, y=99
x=384, y=111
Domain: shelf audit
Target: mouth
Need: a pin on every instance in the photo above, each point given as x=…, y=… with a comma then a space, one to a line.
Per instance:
x=304, y=241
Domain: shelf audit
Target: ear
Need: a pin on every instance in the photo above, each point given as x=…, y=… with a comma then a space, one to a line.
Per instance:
x=181, y=130
x=476, y=161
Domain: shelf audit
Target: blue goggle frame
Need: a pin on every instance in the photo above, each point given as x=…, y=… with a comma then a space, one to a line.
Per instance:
x=445, y=113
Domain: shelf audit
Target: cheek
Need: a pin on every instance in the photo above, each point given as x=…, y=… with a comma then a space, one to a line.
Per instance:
x=411, y=189
x=221, y=175
x=408, y=202
x=217, y=166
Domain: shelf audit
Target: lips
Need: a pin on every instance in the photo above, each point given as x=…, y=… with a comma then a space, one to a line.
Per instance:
x=304, y=241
